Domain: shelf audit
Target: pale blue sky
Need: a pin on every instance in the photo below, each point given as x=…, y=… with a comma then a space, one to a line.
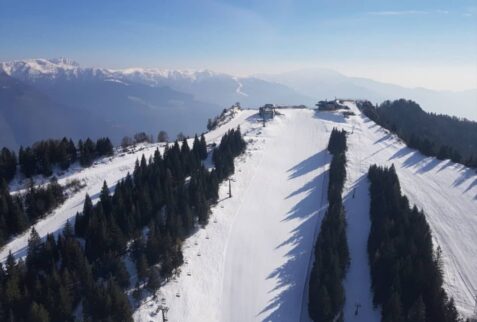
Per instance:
x=418, y=43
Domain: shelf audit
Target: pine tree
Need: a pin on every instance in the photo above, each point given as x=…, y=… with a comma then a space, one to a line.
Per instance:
x=38, y=313
x=27, y=162
x=104, y=147
x=153, y=279
x=392, y=311
x=34, y=247
x=417, y=312
x=203, y=147
x=8, y=164
x=72, y=152
x=142, y=266
x=62, y=155
x=162, y=137
x=105, y=199
x=82, y=219
x=120, y=310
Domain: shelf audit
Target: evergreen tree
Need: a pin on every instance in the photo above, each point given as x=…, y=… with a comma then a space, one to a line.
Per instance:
x=72, y=152
x=156, y=195
x=153, y=279
x=417, y=312
x=442, y=136
x=326, y=293
x=203, y=148
x=406, y=276
x=34, y=247
x=162, y=137
x=27, y=162
x=104, y=147
x=8, y=164
x=142, y=266
x=105, y=199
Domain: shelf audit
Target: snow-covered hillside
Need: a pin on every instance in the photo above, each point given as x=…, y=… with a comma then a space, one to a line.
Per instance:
x=447, y=192
x=250, y=263
x=110, y=170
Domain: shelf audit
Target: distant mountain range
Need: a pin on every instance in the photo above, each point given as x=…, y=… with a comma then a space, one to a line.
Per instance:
x=43, y=98
x=27, y=114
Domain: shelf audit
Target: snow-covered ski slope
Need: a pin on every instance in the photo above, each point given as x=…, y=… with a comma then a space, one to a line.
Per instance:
x=250, y=263
x=447, y=193
x=110, y=169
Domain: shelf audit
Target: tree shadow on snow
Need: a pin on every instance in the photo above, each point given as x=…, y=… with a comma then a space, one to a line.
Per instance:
x=465, y=174
x=383, y=139
x=315, y=161
x=292, y=276
x=429, y=165
x=471, y=186
x=417, y=159
x=401, y=153
x=445, y=165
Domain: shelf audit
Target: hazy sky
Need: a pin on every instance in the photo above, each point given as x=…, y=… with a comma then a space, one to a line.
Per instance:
x=414, y=43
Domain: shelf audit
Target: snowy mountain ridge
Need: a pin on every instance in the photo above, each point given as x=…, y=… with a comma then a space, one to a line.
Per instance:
x=124, y=101
x=64, y=67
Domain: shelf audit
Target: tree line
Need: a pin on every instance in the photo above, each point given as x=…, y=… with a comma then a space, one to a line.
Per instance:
x=406, y=273
x=147, y=217
x=326, y=293
x=42, y=156
x=440, y=136
x=18, y=212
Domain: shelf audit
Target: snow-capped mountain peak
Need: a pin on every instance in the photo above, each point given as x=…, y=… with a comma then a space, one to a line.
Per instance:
x=204, y=85
x=154, y=76
x=31, y=69
x=38, y=68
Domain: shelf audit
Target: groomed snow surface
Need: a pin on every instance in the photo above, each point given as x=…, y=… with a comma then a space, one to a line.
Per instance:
x=251, y=262
x=445, y=191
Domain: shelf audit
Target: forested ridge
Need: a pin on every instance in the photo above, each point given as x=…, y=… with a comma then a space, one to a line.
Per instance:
x=147, y=217
x=326, y=293
x=18, y=212
x=406, y=273
x=42, y=156
x=440, y=136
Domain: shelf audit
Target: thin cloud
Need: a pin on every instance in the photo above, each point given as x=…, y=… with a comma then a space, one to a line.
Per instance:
x=398, y=13
x=470, y=12
x=406, y=12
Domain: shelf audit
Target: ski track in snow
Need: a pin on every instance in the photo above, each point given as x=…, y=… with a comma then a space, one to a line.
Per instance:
x=251, y=262
x=254, y=254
